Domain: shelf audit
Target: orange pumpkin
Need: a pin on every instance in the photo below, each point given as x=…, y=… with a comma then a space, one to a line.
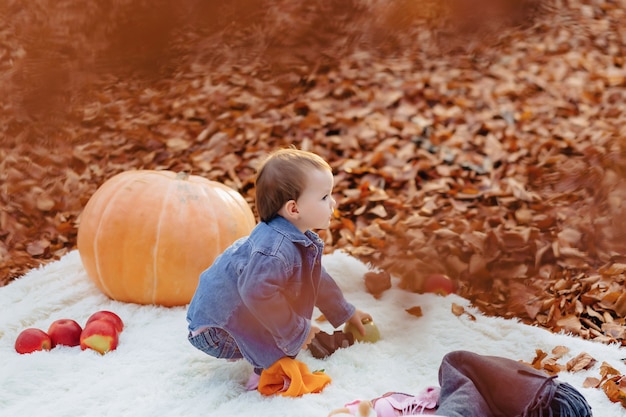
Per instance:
x=145, y=236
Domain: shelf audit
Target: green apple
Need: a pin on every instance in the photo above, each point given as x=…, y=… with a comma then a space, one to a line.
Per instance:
x=372, y=334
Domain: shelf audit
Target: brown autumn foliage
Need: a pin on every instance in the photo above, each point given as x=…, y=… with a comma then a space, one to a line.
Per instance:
x=611, y=381
x=485, y=144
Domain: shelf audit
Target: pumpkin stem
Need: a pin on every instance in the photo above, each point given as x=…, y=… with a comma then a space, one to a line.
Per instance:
x=182, y=176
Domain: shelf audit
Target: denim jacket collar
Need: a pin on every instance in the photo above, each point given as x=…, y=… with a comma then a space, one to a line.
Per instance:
x=291, y=232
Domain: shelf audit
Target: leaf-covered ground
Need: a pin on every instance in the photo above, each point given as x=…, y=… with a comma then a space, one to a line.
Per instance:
x=482, y=143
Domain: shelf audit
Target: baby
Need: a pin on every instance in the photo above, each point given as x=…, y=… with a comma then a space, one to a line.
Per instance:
x=257, y=299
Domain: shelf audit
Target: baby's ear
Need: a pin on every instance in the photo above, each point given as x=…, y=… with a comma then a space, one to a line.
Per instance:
x=290, y=210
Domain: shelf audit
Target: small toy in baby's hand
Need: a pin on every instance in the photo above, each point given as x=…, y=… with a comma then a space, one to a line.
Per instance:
x=372, y=334
x=394, y=404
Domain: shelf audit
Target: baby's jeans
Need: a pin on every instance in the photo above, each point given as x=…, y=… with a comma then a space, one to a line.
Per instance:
x=216, y=342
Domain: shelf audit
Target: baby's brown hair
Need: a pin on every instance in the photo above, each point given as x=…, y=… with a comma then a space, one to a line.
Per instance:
x=282, y=177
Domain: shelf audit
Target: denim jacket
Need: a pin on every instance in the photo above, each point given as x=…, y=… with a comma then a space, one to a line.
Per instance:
x=262, y=290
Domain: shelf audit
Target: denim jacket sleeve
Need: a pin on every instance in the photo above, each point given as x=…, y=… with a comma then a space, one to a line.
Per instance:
x=331, y=301
x=261, y=288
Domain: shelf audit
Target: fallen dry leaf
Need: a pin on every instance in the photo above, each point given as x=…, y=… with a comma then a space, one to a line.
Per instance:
x=591, y=382
x=459, y=310
x=607, y=370
x=614, y=392
x=580, y=362
x=537, y=361
x=559, y=351
x=415, y=311
x=552, y=367
x=377, y=282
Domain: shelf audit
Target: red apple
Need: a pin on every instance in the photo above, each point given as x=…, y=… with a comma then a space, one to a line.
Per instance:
x=99, y=335
x=65, y=332
x=31, y=340
x=109, y=316
x=439, y=284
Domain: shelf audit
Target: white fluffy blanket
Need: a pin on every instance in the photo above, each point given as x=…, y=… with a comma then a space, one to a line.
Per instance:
x=156, y=372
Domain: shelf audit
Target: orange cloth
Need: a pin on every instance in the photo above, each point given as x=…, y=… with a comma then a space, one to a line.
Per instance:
x=291, y=378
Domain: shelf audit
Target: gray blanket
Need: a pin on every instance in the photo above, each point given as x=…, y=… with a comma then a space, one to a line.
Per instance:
x=473, y=385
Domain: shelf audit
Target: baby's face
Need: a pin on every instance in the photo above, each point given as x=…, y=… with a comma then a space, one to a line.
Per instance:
x=316, y=204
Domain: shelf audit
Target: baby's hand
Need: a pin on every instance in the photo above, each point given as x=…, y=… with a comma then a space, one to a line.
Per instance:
x=312, y=332
x=358, y=318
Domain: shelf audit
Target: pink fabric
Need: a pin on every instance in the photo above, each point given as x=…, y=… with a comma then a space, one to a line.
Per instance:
x=353, y=407
x=253, y=382
x=394, y=404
